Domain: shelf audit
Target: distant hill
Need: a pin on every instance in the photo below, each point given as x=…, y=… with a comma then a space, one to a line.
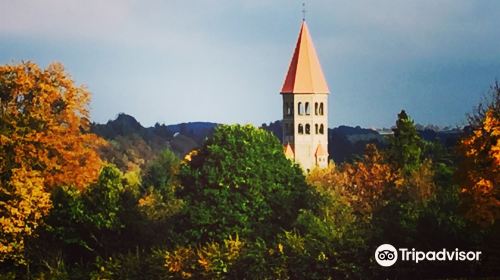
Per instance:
x=448, y=138
x=123, y=125
x=132, y=145
x=197, y=131
x=346, y=143
x=275, y=128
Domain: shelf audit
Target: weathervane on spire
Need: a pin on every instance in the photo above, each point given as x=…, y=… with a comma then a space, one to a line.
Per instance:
x=303, y=11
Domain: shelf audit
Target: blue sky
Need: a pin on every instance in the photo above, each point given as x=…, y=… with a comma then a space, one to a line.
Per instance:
x=225, y=61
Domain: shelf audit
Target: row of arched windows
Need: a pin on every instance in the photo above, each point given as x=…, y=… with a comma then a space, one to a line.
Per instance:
x=304, y=108
x=318, y=129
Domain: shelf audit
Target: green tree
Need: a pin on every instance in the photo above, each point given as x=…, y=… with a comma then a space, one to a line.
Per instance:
x=162, y=171
x=84, y=224
x=158, y=204
x=406, y=146
x=240, y=182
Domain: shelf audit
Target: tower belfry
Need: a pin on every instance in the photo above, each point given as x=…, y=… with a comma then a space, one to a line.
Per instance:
x=305, y=106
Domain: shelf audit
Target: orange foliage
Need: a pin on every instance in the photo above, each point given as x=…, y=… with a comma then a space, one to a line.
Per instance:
x=480, y=170
x=363, y=183
x=43, y=120
x=369, y=179
x=210, y=261
x=43, y=115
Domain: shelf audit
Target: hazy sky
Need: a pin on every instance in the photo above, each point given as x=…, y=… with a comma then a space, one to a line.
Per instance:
x=225, y=61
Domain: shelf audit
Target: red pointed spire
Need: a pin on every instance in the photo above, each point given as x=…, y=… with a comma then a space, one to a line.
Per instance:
x=305, y=74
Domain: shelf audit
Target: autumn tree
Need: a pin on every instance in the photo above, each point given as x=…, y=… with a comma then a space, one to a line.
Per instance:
x=363, y=183
x=480, y=169
x=491, y=102
x=44, y=118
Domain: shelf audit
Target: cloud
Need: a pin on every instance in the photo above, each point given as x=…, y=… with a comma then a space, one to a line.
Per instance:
x=413, y=29
x=228, y=53
x=63, y=18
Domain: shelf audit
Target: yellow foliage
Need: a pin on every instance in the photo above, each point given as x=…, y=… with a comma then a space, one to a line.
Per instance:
x=43, y=120
x=21, y=212
x=209, y=261
x=421, y=182
x=176, y=261
x=480, y=171
x=190, y=155
x=154, y=207
x=280, y=248
x=362, y=183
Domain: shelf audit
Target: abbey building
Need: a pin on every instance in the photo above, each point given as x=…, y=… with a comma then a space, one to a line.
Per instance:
x=305, y=106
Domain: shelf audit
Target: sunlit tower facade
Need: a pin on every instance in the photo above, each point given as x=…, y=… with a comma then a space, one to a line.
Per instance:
x=305, y=106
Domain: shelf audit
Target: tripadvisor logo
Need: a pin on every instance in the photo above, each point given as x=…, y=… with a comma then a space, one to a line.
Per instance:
x=387, y=255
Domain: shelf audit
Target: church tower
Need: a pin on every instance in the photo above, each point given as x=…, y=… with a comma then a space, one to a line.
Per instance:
x=305, y=106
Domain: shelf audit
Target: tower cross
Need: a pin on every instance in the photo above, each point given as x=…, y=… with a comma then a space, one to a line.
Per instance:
x=303, y=11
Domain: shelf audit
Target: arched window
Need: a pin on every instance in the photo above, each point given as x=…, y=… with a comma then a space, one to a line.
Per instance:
x=321, y=129
x=316, y=108
x=289, y=109
x=308, y=109
x=300, y=108
x=301, y=129
x=308, y=129
x=321, y=109
x=316, y=128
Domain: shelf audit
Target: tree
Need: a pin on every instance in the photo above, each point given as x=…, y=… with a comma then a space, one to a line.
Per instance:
x=23, y=203
x=161, y=173
x=491, y=102
x=85, y=226
x=44, y=118
x=87, y=222
x=364, y=184
x=158, y=203
x=240, y=182
x=480, y=168
x=212, y=260
x=405, y=149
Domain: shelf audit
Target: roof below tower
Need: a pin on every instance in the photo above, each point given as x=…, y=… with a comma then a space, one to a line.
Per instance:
x=289, y=151
x=304, y=73
x=320, y=151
